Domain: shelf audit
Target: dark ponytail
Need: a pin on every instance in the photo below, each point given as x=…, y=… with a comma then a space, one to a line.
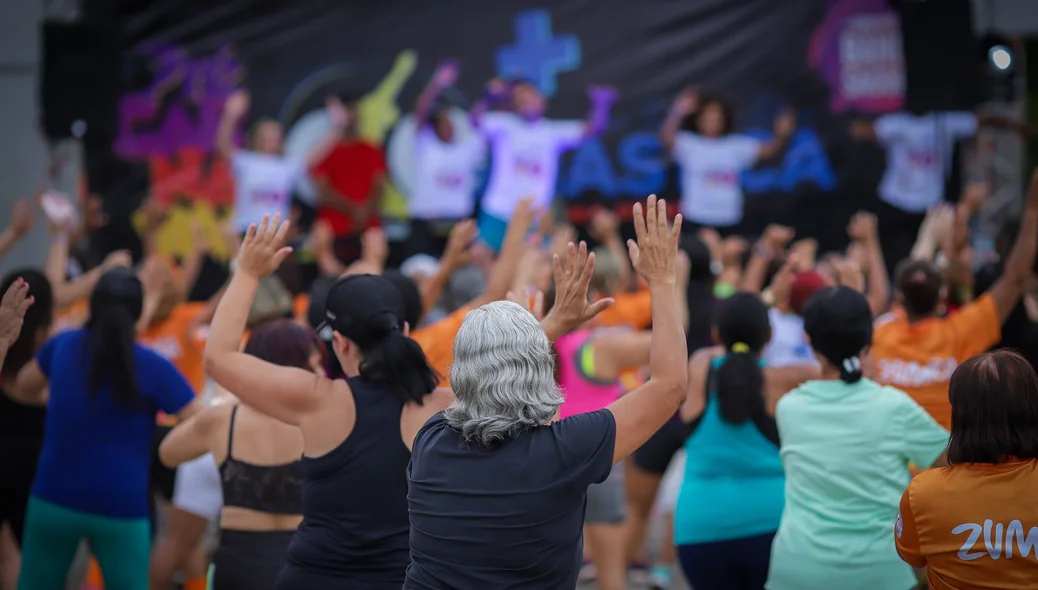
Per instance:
x=392, y=357
x=743, y=328
x=115, y=307
x=838, y=321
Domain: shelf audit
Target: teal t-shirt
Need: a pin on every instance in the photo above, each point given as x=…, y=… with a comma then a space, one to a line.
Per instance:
x=846, y=450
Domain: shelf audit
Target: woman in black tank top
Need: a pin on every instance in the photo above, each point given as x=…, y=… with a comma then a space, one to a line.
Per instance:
x=261, y=480
x=357, y=432
x=21, y=425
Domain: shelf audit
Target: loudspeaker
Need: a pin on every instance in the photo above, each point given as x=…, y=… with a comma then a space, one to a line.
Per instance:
x=81, y=80
x=941, y=72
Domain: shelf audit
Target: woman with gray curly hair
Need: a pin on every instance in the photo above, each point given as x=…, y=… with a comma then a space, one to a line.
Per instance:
x=497, y=483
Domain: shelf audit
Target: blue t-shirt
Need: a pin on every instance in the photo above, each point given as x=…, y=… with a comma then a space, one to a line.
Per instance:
x=509, y=517
x=97, y=453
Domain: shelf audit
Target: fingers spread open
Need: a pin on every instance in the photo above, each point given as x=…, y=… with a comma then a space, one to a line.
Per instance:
x=639, y=223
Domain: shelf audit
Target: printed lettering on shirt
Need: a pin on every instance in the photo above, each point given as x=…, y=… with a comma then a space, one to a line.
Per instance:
x=899, y=525
x=999, y=540
x=722, y=177
x=168, y=347
x=902, y=373
x=922, y=158
x=529, y=166
x=267, y=197
x=450, y=180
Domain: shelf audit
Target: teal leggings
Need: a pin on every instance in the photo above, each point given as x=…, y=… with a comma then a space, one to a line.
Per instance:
x=122, y=547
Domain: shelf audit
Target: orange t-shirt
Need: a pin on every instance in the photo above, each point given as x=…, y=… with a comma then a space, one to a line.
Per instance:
x=973, y=526
x=919, y=358
x=72, y=317
x=171, y=340
x=437, y=341
x=300, y=306
x=631, y=309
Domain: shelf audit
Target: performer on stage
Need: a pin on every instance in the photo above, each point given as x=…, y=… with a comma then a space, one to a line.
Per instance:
x=263, y=176
x=711, y=158
x=445, y=167
x=525, y=148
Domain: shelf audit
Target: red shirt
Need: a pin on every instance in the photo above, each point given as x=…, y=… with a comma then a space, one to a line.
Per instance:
x=351, y=168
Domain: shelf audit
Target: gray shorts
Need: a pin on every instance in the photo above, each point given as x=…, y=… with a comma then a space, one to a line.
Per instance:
x=606, y=501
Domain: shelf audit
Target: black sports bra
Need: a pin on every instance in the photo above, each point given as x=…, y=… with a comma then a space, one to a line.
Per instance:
x=276, y=489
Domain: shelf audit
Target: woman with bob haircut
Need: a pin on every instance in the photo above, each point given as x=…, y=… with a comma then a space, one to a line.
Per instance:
x=974, y=524
x=497, y=482
x=847, y=443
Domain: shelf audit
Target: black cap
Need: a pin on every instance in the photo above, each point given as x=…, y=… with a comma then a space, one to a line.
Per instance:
x=410, y=294
x=318, y=294
x=363, y=308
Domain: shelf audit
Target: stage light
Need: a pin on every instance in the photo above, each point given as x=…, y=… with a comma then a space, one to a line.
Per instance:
x=1000, y=58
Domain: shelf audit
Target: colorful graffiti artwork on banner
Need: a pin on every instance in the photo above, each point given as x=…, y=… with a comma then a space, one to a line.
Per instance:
x=857, y=49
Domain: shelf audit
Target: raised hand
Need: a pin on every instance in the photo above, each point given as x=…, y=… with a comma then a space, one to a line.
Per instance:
x=374, y=247
x=15, y=303
x=263, y=249
x=458, y=252
x=785, y=123
x=23, y=217
x=534, y=304
x=598, y=93
x=732, y=249
x=340, y=117
x=237, y=104
x=654, y=255
x=777, y=236
x=686, y=102
x=863, y=227
x=572, y=276
x=604, y=224
x=446, y=73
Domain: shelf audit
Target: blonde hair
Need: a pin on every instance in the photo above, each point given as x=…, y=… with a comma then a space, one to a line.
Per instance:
x=606, y=279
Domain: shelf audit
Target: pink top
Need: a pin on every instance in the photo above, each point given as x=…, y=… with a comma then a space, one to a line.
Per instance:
x=583, y=392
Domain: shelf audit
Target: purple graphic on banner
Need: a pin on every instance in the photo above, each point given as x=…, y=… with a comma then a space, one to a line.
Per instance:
x=857, y=49
x=181, y=108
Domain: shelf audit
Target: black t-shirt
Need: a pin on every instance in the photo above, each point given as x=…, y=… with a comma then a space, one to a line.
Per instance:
x=509, y=517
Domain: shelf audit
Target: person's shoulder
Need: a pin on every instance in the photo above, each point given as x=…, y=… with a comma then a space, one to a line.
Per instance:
x=582, y=423
x=148, y=357
x=890, y=320
x=937, y=480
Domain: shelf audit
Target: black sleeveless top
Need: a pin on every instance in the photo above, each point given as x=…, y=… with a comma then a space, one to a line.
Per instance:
x=275, y=489
x=355, y=525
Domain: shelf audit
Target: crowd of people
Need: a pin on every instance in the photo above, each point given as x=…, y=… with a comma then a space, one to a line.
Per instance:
x=504, y=409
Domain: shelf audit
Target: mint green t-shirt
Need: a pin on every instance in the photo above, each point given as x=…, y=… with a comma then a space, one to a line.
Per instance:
x=846, y=450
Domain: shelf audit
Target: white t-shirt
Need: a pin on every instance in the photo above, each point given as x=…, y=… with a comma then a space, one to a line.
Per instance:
x=710, y=168
x=525, y=159
x=789, y=345
x=919, y=151
x=262, y=186
x=445, y=175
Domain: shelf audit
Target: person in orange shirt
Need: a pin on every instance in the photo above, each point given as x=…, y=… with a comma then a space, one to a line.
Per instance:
x=916, y=350
x=437, y=339
x=974, y=525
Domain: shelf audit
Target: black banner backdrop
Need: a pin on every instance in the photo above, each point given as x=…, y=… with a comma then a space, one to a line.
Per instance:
x=829, y=59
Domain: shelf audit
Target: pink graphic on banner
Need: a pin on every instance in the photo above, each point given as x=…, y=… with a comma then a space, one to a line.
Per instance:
x=857, y=50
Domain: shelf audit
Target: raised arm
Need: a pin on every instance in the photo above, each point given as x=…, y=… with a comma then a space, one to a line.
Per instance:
x=683, y=106
x=444, y=77
x=768, y=248
x=340, y=117
x=503, y=271
x=642, y=412
x=785, y=126
x=863, y=229
x=454, y=257
x=1020, y=264
x=285, y=393
x=234, y=110
x=602, y=99
x=15, y=303
x=496, y=92
x=23, y=217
